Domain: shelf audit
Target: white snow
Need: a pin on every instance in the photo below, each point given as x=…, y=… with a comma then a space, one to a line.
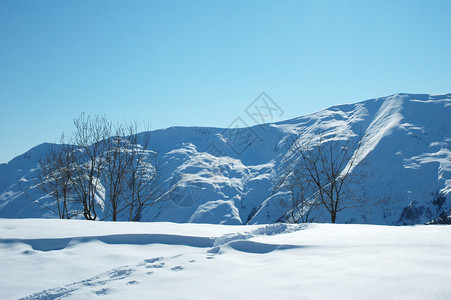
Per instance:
x=387, y=118
x=74, y=259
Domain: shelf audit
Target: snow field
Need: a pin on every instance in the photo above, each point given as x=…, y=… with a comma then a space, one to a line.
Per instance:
x=51, y=259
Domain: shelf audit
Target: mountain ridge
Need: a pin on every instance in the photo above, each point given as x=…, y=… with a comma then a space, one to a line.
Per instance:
x=405, y=136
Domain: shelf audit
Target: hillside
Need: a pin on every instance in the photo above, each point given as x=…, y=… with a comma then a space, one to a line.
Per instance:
x=227, y=176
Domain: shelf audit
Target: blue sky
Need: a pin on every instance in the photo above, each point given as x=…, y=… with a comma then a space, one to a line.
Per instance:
x=200, y=63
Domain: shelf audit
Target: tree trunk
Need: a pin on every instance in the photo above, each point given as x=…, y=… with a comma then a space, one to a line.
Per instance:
x=333, y=216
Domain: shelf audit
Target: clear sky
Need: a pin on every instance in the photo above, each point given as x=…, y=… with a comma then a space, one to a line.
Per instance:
x=171, y=63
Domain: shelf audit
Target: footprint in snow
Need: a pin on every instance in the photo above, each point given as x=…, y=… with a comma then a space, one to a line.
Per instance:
x=177, y=268
x=152, y=260
x=102, y=292
x=155, y=266
x=152, y=263
x=99, y=280
x=116, y=274
x=213, y=251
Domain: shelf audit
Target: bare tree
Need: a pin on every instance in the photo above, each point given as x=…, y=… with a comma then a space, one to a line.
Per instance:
x=117, y=162
x=144, y=169
x=89, y=138
x=297, y=206
x=108, y=167
x=130, y=173
x=322, y=168
x=55, y=176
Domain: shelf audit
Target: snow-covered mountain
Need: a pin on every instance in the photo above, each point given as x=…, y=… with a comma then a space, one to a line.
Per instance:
x=227, y=176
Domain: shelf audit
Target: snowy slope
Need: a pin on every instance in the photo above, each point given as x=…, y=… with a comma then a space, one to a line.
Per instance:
x=75, y=259
x=226, y=176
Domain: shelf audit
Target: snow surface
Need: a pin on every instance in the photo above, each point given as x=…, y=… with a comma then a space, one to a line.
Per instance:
x=75, y=259
x=227, y=176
